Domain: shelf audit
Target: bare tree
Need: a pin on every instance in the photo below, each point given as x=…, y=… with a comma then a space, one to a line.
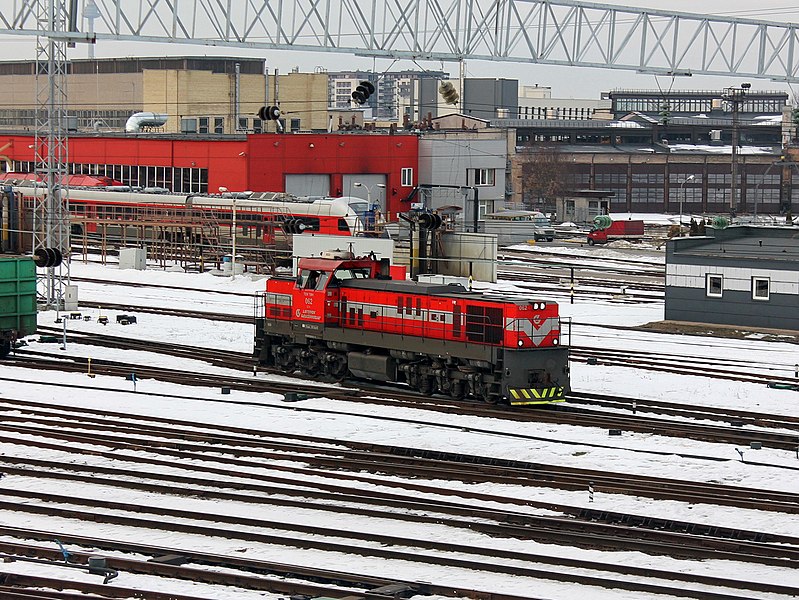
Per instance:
x=544, y=178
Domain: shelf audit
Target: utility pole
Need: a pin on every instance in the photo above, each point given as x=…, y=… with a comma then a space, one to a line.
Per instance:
x=735, y=97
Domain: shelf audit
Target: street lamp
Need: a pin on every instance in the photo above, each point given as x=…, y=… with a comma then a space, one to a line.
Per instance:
x=369, y=191
x=682, y=195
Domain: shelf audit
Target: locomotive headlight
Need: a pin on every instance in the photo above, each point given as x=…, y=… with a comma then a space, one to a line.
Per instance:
x=521, y=343
x=555, y=342
x=535, y=305
x=543, y=305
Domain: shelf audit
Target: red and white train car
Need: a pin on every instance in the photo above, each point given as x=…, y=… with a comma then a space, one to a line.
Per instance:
x=263, y=212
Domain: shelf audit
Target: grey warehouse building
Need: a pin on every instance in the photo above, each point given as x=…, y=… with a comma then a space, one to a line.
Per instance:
x=744, y=276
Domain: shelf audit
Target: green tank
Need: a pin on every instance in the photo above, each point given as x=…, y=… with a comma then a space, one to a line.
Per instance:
x=17, y=300
x=720, y=223
x=602, y=222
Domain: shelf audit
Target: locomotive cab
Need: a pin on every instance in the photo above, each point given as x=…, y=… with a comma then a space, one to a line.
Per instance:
x=317, y=286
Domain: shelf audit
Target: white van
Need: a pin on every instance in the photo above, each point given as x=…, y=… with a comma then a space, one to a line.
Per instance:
x=518, y=226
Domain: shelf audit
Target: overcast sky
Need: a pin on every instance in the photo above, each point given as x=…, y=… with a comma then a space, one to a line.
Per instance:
x=566, y=82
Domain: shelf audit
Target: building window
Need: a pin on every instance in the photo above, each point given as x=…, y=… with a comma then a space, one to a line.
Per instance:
x=203, y=124
x=714, y=285
x=407, y=177
x=760, y=288
x=188, y=125
x=242, y=124
x=295, y=124
x=480, y=176
x=219, y=125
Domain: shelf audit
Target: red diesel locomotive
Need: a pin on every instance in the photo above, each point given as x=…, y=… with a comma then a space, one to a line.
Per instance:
x=345, y=317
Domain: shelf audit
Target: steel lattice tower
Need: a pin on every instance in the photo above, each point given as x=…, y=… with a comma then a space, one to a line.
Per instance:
x=51, y=212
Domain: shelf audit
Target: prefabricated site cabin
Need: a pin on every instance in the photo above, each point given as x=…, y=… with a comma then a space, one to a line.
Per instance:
x=743, y=275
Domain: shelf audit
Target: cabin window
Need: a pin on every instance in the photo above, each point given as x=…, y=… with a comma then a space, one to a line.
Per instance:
x=761, y=288
x=714, y=285
x=342, y=225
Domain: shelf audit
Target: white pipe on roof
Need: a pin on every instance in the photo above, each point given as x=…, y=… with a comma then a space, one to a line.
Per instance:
x=144, y=119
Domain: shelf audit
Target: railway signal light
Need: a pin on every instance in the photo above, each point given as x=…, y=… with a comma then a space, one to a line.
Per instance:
x=269, y=113
x=447, y=91
x=430, y=220
x=47, y=257
x=294, y=226
x=363, y=91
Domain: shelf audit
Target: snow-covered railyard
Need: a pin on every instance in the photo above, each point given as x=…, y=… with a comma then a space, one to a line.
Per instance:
x=634, y=454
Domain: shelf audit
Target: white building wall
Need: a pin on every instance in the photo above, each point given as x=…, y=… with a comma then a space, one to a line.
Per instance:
x=446, y=158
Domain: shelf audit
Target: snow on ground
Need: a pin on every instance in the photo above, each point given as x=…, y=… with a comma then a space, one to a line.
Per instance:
x=549, y=444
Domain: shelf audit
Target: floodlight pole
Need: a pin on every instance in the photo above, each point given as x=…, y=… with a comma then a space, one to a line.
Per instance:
x=735, y=96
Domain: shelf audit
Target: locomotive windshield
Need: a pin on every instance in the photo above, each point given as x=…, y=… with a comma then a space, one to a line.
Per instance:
x=318, y=280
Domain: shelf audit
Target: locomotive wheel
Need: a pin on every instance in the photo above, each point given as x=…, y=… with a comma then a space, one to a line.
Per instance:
x=284, y=360
x=309, y=363
x=426, y=385
x=457, y=389
x=336, y=366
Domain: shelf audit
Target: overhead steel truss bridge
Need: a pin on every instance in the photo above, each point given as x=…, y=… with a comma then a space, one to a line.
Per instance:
x=553, y=32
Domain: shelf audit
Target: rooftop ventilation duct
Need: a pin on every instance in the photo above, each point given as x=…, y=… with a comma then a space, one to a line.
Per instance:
x=144, y=119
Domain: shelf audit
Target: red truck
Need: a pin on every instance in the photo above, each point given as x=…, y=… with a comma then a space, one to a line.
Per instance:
x=605, y=230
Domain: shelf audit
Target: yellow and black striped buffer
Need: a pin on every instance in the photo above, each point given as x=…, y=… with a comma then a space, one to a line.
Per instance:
x=522, y=396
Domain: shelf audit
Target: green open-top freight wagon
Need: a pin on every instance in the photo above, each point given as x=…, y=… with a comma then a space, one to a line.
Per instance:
x=17, y=300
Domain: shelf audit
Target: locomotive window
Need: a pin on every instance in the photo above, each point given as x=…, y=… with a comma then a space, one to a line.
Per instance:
x=360, y=317
x=373, y=314
x=399, y=307
x=342, y=225
x=322, y=282
x=418, y=307
x=408, y=305
x=344, y=274
x=311, y=223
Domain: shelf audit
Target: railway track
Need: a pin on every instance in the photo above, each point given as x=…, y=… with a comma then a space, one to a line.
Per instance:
x=357, y=477
x=81, y=426
x=391, y=396
x=388, y=397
